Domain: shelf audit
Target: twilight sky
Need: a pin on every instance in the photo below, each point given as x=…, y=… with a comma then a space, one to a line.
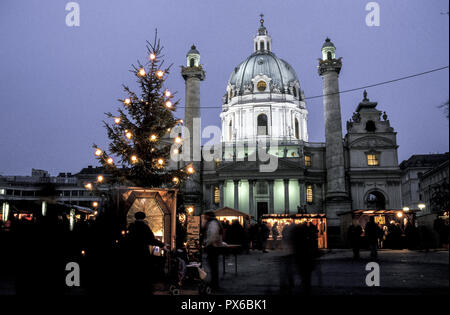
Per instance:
x=56, y=82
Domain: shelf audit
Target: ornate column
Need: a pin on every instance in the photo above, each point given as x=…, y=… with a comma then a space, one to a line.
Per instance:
x=236, y=193
x=271, y=198
x=286, y=195
x=251, y=184
x=221, y=183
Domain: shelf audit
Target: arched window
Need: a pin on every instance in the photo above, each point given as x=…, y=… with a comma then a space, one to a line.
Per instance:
x=230, y=130
x=329, y=56
x=256, y=46
x=261, y=45
x=370, y=126
x=376, y=201
x=297, y=129
x=262, y=125
x=192, y=62
x=294, y=90
x=268, y=46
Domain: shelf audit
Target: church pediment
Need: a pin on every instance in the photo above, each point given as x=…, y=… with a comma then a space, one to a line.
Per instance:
x=371, y=142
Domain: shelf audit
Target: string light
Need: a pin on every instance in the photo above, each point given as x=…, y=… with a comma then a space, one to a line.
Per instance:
x=152, y=150
x=169, y=104
x=109, y=161
x=153, y=137
x=152, y=56
x=98, y=152
x=117, y=120
x=176, y=151
x=176, y=180
x=128, y=135
x=100, y=178
x=88, y=186
x=168, y=129
x=178, y=140
x=95, y=204
x=190, y=170
x=160, y=162
x=141, y=72
x=134, y=158
x=167, y=93
x=160, y=73
x=127, y=101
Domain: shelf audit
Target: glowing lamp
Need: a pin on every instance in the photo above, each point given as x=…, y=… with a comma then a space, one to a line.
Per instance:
x=405, y=208
x=152, y=56
x=100, y=178
x=160, y=161
x=141, y=72
x=421, y=206
x=83, y=252
x=127, y=101
x=95, y=204
x=190, y=210
x=88, y=186
x=169, y=104
x=153, y=137
x=128, y=135
x=109, y=161
x=98, y=152
x=167, y=93
x=176, y=151
x=190, y=170
x=178, y=140
x=117, y=120
x=399, y=214
x=159, y=74
x=176, y=180
x=134, y=158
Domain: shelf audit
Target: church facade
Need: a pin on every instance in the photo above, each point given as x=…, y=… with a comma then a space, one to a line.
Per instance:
x=264, y=104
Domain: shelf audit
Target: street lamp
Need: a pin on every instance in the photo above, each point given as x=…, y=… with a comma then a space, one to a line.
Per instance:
x=405, y=208
x=421, y=206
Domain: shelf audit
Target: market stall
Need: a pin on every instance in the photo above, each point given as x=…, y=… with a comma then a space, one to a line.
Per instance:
x=319, y=220
x=229, y=214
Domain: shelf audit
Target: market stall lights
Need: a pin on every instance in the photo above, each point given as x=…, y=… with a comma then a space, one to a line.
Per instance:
x=88, y=186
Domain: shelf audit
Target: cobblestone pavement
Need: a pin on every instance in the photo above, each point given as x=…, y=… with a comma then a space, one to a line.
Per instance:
x=401, y=272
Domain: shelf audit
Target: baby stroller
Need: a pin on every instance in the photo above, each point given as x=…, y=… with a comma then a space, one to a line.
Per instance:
x=184, y=275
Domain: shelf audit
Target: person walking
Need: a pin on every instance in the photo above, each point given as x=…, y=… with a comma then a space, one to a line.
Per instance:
x=372, y=233
x=275, y=234
x=354, y=237
x=213, y=242
x=264, y=233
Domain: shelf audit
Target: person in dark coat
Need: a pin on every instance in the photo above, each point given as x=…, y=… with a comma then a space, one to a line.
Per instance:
x=354, y=237
x=263, y=235
x=304, y=239
x=372, y=232
x=140, y=237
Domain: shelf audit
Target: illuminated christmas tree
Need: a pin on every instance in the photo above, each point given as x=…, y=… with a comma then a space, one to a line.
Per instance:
x=140, y=147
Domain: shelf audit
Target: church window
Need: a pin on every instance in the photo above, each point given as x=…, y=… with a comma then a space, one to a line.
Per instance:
x=216, y=195
x=370, y=126
x=268, y=46
x=307, y=161
x=256, y=46
x=294, y=90
x=372, y=160
x=230, y=130
x=262, y=125
x=261, y=188
x=329, y=56
x=192, y=62
x=261, y=45
x=309, y=194
x=297, y=129
x=261, y=86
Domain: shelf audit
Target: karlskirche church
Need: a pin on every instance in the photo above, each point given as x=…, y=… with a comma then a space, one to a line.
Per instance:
x=264, y=103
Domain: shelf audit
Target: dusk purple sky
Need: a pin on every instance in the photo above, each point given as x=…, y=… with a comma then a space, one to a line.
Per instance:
x=56, y=81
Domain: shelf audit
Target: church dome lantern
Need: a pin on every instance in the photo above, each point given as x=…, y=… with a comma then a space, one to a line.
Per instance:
x=328, y=50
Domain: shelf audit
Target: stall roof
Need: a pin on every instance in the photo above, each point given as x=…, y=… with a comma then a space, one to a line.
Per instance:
x=230, y=212
x=391, y=211
x=293, y=216
x=79, y=208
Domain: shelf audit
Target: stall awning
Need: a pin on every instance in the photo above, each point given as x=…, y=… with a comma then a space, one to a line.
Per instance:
x=378, y=212
x=225, y=212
